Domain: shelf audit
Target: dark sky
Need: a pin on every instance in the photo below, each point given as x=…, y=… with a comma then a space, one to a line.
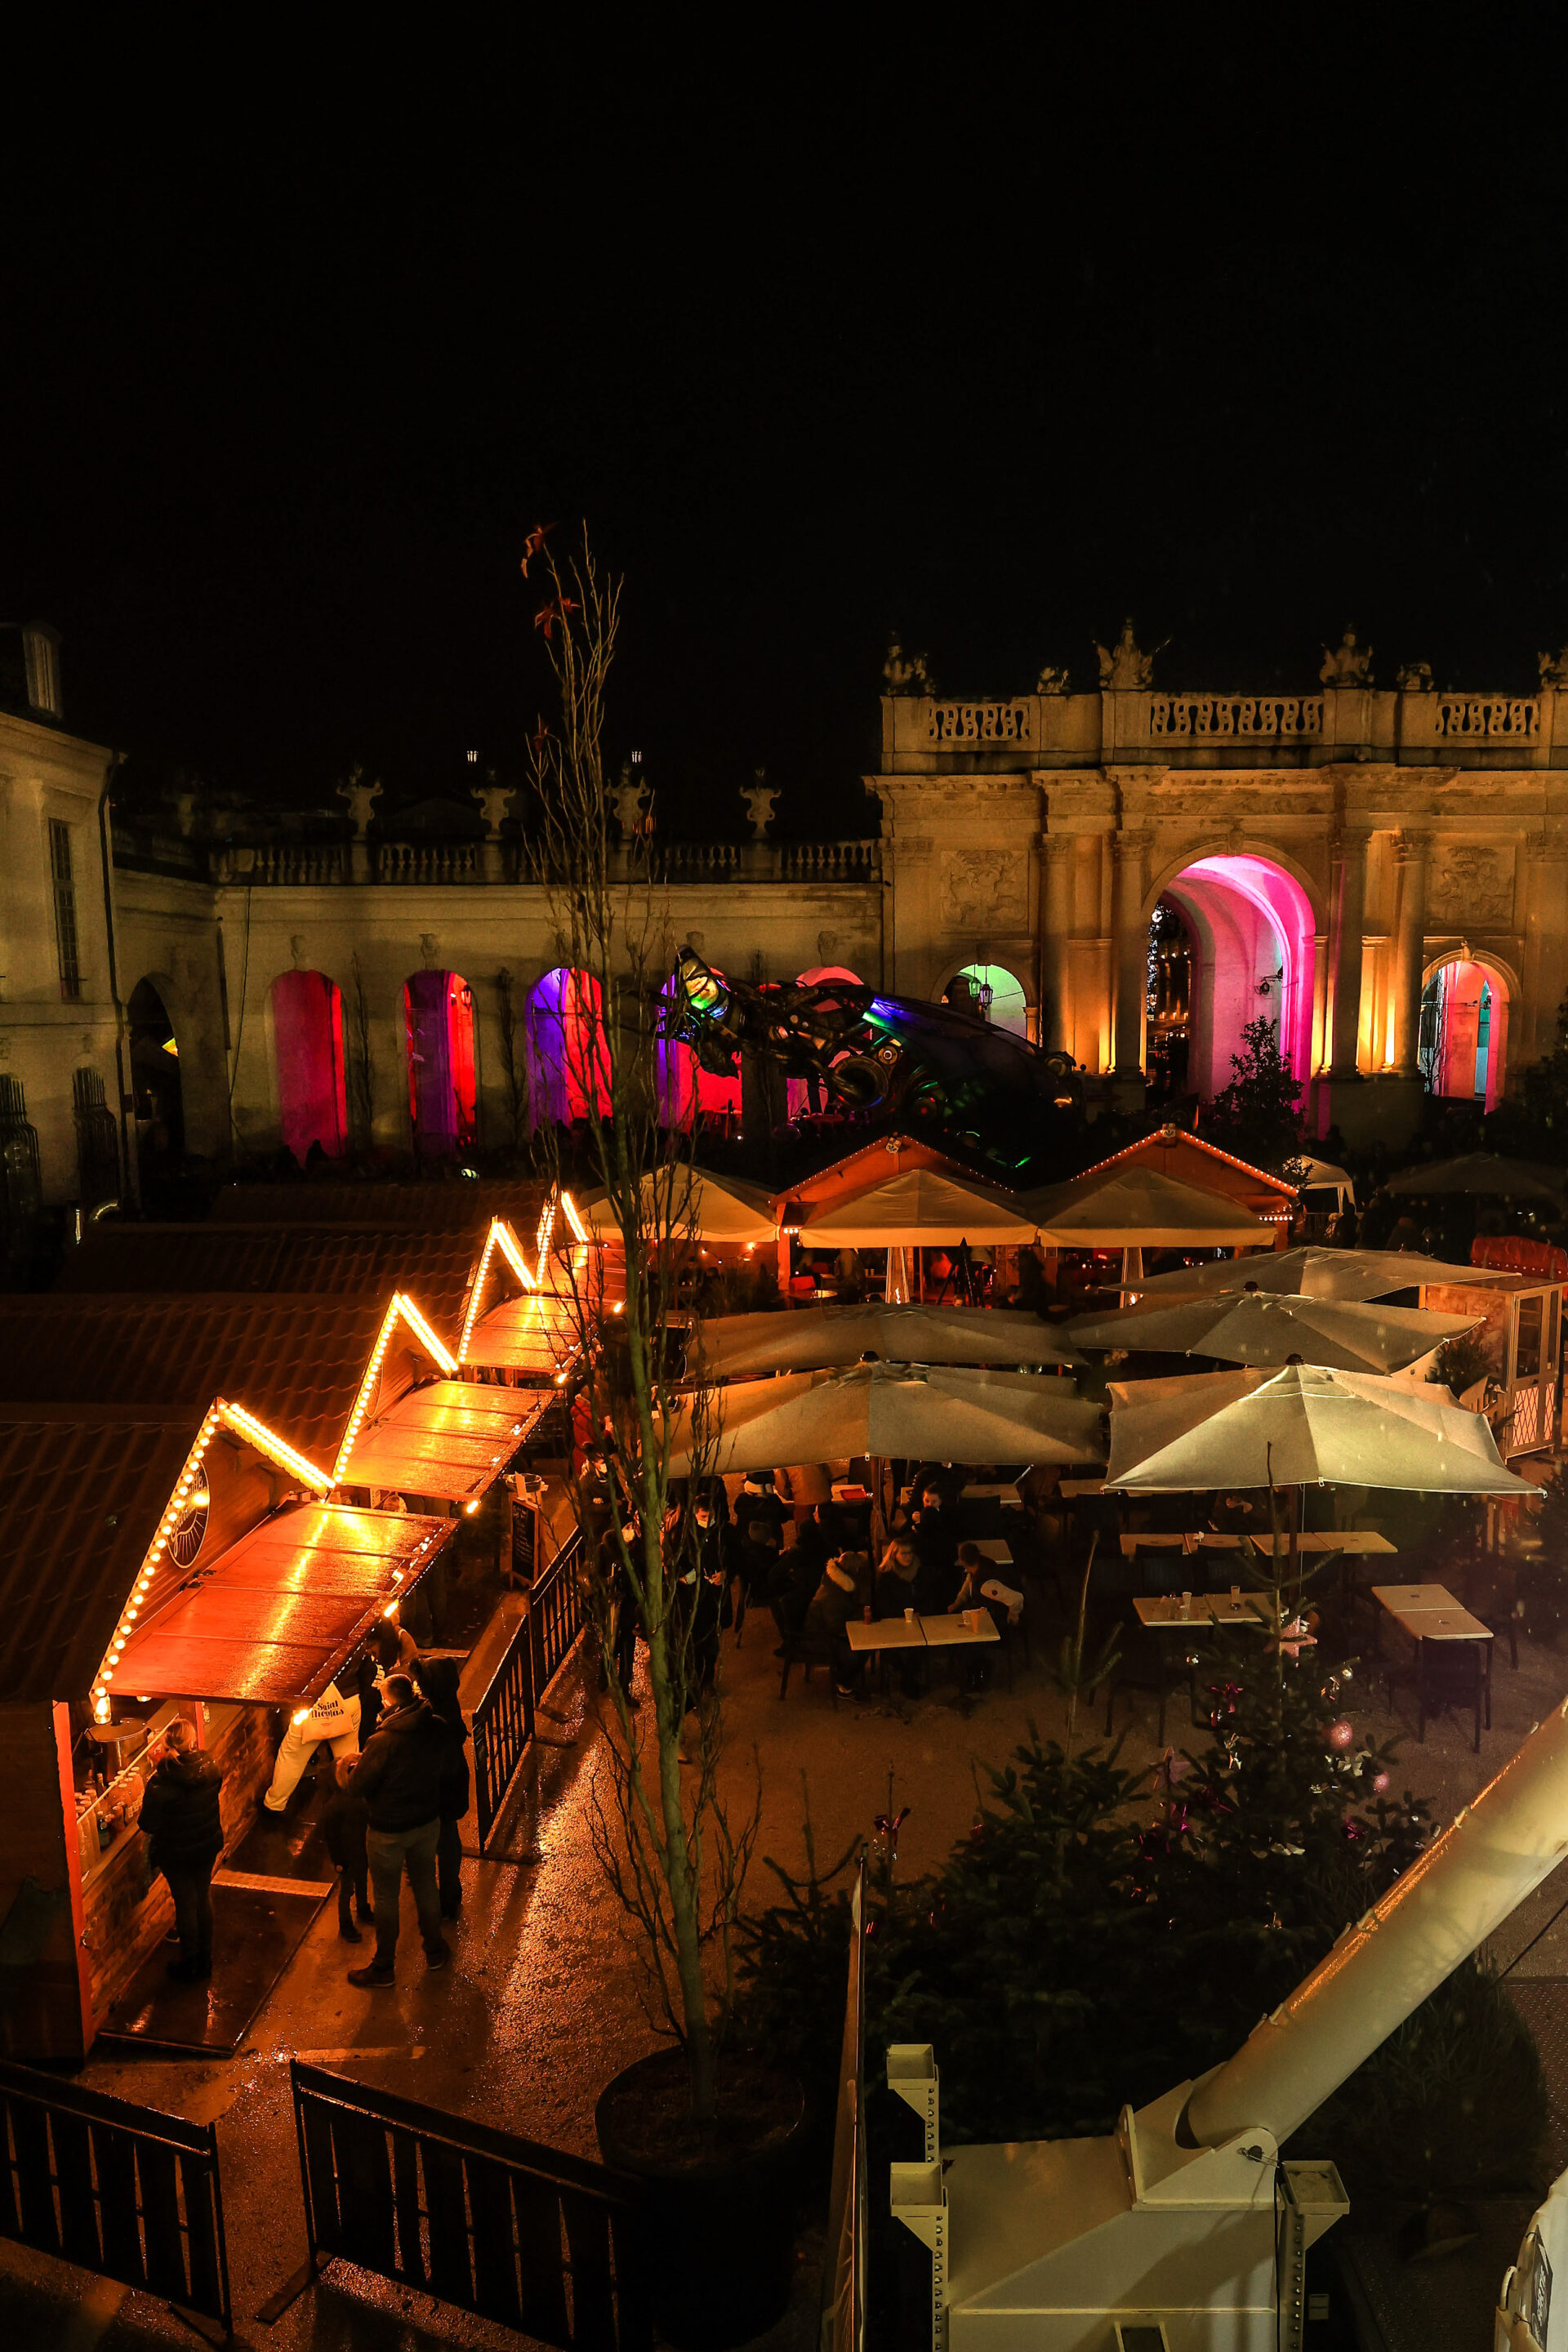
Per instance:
x=992, y=333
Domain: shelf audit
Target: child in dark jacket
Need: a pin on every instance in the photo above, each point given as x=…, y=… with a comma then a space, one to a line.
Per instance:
x=344, y=1819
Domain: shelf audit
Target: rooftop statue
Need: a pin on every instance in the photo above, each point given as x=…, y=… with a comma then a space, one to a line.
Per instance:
x=1415, y=677
x=1051, y=680
x=1348, y=665
x=905, y=673
x=1124, y=667
x=360, y=795
x=1553, y=667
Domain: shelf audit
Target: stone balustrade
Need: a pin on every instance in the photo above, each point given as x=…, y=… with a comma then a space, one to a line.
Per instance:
x=1500, y=718
x=1242, y=716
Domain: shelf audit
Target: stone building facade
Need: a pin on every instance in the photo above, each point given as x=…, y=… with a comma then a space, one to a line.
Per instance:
x=1382, y=873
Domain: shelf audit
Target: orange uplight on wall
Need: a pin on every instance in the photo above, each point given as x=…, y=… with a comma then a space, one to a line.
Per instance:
x=191, y=1485
x=403, y=1310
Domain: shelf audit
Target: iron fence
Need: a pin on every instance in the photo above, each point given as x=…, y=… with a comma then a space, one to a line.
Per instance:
x=114, y=2187
x=500, y=2226
x=503, y=1718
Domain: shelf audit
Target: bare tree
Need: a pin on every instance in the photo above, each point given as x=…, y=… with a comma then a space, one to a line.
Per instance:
x=673, y=1853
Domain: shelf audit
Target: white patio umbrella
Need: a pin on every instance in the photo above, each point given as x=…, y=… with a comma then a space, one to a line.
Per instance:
x=1314, y=1273
x=920, y=1209
x=710, y=1208
x=731, y=1347
x=1260, y=1326
x=938, y=1414
x=1479, y=1173
x=1303, y=1425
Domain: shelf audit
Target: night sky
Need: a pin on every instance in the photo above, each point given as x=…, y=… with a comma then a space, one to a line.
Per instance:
x=991, y=335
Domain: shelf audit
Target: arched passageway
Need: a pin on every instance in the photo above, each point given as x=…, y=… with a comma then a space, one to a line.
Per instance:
x=685, y=1090
x=568, y=1053
x=438, y=1014
x=1464, y=1031
x=155, y=1075
x=308, y=1048
x=1246, y=931
x=991, y=990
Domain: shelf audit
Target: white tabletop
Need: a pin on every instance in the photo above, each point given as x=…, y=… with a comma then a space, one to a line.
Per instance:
x=885, y=1633
x=971, y=1625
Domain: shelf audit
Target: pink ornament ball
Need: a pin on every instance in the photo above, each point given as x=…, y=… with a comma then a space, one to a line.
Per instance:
x=1380, y=1784
x=1341, y=1735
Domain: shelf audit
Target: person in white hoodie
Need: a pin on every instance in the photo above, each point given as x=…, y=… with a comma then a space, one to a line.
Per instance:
x=330, y=1718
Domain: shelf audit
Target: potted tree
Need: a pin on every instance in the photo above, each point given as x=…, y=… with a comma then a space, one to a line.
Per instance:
x=714, y=2135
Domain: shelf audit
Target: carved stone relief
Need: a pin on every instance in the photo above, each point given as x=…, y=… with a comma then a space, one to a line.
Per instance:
x=986, y=886
x=1471, y=886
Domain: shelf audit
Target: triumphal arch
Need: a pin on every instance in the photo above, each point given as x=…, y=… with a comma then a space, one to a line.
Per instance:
x=1382, y=873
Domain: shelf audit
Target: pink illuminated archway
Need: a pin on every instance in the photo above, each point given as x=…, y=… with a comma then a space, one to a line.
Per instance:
x=1468, y=1053
x=308, y=1044
x=1252, y=929
x=438, y=1015
x=568, y=1053
x=685, y=1087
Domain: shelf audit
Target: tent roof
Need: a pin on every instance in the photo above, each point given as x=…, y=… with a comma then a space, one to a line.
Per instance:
x=938, y=1414
x=924, y=1206
x=1173, y=1145
x=533, y=1332
x=808, y=1338
x=276, y=1617
x=720, y=1208
x=81, y=1494
x=1137, y=1207
x=1314, y=1273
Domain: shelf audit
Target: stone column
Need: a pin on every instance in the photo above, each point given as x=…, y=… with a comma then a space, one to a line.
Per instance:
x=1056, y=932
x=1130, y=950
x=1348, y=921
x=1411, y=850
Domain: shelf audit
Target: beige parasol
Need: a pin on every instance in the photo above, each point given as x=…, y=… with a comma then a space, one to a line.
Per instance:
x=733, y=1345
x=938, y=1414
x=1260, y=1326
x=1315, y=1274
x=1300, y=1426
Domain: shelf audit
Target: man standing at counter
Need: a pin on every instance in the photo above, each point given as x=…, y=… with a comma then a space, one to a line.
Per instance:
x=181, y=1820
x=401, y=1775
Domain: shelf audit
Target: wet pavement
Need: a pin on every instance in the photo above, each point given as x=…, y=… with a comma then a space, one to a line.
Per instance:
x=542, y=2005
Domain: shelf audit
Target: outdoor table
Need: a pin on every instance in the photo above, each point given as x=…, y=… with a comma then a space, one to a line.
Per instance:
x=1072, y=1490
x=844, y=1492
x=994, y=1547
x=1160, y=1615
x=885, y=1633
x=1440, y=1631
x=949, y=1632
x=1006, y=1494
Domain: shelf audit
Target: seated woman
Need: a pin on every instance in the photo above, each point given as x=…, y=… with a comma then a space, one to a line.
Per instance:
x=845, y=1589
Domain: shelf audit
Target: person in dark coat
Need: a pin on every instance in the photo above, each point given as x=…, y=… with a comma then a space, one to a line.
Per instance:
x=798, y=1575
x=437, y=1678
x=183, y=1824
x=845, y=1593
x=344, y=1819
x=402, y=1775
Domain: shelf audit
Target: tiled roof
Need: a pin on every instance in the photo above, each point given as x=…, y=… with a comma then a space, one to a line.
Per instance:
x=324, y=1261
x=458, y=1206
x=81, y=1497
x=295, y=1362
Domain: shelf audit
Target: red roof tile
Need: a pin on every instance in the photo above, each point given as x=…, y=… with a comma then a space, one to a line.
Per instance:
x=295, y=1362
x=457, y=1206
x=81, y=1499
x=338, y=1261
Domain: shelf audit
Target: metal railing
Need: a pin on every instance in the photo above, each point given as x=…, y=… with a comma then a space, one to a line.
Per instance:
x=114, y=2187
x=503, y=1718
x=500, y=2226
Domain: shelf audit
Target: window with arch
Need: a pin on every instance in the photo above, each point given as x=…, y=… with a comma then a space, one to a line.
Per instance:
x=438, y=1015
x=568, y=1053
x=1464, y=1031
x=308, y=1050
x=990, y=990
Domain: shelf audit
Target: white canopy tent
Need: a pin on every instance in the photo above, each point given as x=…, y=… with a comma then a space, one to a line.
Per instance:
x=1301, y=1426
x=920, y=1209
x=1259, y=1327
x=1138, y=1208
x=732, y=1346
x=692, y=1202
x=940, y=1413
